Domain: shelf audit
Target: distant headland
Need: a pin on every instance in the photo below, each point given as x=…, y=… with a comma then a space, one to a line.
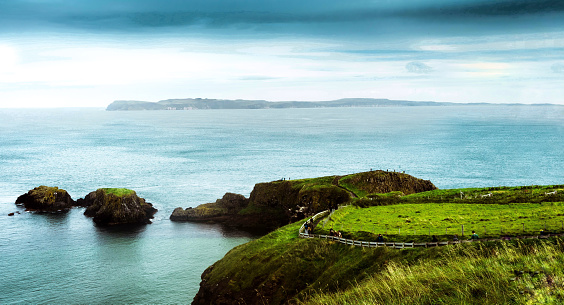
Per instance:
x=205, y=103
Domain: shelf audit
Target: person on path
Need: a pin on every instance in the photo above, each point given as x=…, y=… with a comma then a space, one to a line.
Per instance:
x=306, y=227
x=474, y=236
x=455, y=237
x=380, y=238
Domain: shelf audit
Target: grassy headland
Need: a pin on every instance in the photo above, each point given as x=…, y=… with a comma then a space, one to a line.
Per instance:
x=281, y=268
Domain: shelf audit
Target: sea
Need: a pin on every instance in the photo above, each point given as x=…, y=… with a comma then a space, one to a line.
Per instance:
x=186, y=158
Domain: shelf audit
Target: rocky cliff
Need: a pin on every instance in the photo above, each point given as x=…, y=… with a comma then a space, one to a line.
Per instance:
x=117, y=206
x=46, y=199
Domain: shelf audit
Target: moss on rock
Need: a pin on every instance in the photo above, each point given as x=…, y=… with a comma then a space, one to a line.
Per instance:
x=117, y=207
x=49, y=199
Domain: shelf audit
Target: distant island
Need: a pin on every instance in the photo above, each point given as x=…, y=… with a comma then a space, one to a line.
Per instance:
x=204, y=103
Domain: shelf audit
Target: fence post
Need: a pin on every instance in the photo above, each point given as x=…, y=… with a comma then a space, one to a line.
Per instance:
x=523, y=228
x=429, y=231
x=399, y=231
x=446, y=231
x=462, y=231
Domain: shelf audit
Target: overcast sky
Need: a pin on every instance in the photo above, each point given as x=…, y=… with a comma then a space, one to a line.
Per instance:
x=57, y=53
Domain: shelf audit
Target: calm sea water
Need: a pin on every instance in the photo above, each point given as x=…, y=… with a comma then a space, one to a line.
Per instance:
x=185, y=158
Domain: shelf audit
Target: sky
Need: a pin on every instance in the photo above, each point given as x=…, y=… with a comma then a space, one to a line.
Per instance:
x=88, y=53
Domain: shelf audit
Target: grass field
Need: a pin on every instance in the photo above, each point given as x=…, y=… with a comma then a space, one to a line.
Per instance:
x=419, y=221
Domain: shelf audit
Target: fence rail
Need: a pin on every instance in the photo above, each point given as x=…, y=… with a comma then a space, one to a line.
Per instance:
x=401, y=245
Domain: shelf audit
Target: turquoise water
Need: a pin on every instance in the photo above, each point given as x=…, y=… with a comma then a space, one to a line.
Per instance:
x=184, y=158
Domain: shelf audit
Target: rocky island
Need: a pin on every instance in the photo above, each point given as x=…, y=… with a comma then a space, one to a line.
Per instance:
x=115, y=206
x=107, y=206
x=46, y=199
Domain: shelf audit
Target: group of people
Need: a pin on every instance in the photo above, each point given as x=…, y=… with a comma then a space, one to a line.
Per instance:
x=308, y=226
x=335, y=233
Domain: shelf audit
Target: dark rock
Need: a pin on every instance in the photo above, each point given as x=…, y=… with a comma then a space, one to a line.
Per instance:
x=107, y=208
x=46, y=199
x=230, y=204
x=11, y=214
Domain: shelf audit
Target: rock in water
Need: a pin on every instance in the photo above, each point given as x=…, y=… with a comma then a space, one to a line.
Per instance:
x=117, y=206
x=47, y=199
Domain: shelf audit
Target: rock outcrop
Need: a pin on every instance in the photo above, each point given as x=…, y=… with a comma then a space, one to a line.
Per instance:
x=108, y=207
x=46, y=199
x=273, y=204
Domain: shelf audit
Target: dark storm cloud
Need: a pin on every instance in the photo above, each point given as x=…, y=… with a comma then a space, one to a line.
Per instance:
x=323, y=17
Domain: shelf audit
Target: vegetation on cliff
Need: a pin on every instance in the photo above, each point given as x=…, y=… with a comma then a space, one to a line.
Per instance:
x=480, y=273
x=46, y=199
x=281, y=268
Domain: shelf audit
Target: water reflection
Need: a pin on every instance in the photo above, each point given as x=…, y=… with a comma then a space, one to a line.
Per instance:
x=219, y=229
x=53, y=220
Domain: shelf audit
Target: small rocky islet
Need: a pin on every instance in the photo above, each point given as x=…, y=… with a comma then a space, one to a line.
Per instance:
x=107, y=206
x=46, y=199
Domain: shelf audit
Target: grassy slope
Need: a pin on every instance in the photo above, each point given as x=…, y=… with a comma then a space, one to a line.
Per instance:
x=465, y=274
x=280, y=266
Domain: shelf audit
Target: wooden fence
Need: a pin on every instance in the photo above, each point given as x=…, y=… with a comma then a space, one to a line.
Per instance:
x=401, y=245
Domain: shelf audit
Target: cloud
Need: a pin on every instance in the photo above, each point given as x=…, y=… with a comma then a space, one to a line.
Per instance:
x=418, y=67
x=315, y=17
x=557, y=67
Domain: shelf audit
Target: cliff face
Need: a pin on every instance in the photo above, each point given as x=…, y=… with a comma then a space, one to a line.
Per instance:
x=46, y=199
x=384, y=182
x=108, y=208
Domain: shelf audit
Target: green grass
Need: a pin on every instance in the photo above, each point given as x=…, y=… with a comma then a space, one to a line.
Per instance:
x=464, y=274
x=412, y=222
x=118, y=191
x=499, y=195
